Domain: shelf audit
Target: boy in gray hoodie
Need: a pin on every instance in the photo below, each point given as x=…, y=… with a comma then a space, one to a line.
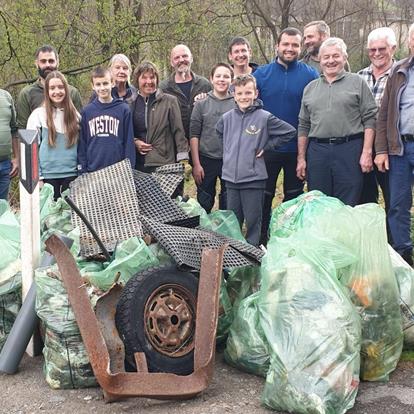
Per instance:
x=247, y=131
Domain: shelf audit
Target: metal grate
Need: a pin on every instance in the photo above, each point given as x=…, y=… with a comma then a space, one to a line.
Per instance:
x=169, y=176
x=185, y=245
x=154, y=202
x=108, y=200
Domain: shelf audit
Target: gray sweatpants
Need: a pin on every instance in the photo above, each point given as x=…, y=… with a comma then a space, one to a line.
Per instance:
x=247, y=204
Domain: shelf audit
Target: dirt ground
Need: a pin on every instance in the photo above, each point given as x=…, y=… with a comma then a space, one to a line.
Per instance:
x=231, y=391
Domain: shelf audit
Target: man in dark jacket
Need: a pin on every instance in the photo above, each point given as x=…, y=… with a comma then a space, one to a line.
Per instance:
x=394, y=148
x=184, y=84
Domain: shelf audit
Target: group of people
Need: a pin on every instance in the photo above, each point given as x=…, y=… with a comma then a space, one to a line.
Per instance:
x=304, y=113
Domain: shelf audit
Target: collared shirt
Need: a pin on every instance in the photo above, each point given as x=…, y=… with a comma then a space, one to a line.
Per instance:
x=377, y=86
x=341, y=108
x=407, y=105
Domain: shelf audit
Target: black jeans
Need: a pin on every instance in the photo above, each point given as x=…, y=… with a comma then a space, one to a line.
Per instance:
x=292, y=186
x=206, y=191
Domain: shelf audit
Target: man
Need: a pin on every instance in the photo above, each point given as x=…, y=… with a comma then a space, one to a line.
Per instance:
x=239, y=54
x=336, y=128
x=184, y=84
x=314, y=34
x=394, y=147
x=381, y=45
x=31, y=96
x=281, y=84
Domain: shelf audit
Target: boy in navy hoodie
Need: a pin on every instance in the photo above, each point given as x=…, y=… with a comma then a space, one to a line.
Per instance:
x=247, y=131
x=106, y=132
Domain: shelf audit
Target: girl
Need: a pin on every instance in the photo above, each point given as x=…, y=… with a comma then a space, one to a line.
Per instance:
x=206, y=147
x=58, y=122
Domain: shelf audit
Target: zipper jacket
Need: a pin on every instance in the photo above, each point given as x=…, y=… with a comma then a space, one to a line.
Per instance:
x=245, y=134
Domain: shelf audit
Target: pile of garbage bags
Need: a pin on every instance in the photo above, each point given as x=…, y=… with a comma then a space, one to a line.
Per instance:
x=334, y=307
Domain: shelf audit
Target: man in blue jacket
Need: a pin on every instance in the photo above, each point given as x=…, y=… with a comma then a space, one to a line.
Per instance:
x=281, y=84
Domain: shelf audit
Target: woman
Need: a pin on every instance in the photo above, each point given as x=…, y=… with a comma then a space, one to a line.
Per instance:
x=158, y=129
x=58, y=121
x=120, y=67
x=206, y=146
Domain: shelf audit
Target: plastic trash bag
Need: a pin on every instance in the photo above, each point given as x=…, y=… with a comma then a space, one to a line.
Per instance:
x=404, y=274
x=247, y=348
x=10, y=303
x=223, y=222
x=300, y=212
x=371, y=284
x=66, y=363
x=225, y=314
x=311, y=326
x=10, y=242
x=131, y=256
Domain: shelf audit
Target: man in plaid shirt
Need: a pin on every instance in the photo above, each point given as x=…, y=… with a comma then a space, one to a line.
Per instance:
x=381, y=45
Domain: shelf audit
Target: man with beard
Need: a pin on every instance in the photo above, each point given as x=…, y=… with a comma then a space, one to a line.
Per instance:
x=239, y=54
x=31, y=96
x=184, y=83
x=281, y=84
x=314, y=33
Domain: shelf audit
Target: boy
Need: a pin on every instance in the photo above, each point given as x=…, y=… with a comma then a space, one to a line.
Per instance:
x=247, y=131
x=106, y=132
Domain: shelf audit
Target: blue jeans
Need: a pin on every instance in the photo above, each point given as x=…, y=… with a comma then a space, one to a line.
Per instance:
x=401, y=180
x=5, y=168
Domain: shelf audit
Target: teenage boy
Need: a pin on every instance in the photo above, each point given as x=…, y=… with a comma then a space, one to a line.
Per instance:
x=247, y=131
x=106, y=132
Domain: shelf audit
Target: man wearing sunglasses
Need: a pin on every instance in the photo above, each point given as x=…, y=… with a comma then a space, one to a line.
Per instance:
x=381, y=45
x=31, y=96
x=394, y=147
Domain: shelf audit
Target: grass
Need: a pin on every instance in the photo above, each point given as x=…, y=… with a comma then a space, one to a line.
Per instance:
x=407, y=356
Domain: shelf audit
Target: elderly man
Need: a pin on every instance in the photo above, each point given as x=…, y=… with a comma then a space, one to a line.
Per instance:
x=31, y=96
x=239, y=54
x=281, y=84
x=336, y=127
x=184, y=84
x=381, y=45
x=394, y=146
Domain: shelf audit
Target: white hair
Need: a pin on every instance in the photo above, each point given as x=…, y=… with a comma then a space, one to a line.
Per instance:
x=120, y=57
x=334, y=41
x=382, y=33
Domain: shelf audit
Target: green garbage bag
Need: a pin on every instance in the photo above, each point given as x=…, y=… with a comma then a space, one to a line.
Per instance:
x=246, y=347
x=404, y=274
x=9, y=242
x=371, y=284
x=10, y=303
x=66, y=361
x=131, y=256
x=225, y=315
x=301, y=212
x=311, y=326
x=224, y=222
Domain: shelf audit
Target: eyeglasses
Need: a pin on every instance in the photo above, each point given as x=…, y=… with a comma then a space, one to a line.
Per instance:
x=374, y=50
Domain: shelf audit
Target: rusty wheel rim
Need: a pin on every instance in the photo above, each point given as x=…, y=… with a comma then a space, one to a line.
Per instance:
x=170, y=320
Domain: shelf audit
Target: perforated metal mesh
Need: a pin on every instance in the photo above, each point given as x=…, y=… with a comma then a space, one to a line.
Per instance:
x=185, y=245
x=169, y=176
x=108, y=200
x=154, y=202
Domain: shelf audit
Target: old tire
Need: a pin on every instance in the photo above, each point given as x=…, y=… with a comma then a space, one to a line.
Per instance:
x=156, y=315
